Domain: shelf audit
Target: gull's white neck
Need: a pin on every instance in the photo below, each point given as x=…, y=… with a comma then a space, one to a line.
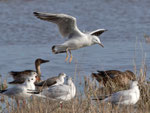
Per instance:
x=30, y=85
x=136, y=90
x=72, y=89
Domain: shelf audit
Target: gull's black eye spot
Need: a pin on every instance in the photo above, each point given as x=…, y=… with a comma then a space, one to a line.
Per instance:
x=31, y=78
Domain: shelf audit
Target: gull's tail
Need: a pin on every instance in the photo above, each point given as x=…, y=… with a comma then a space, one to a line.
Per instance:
x=59, y=49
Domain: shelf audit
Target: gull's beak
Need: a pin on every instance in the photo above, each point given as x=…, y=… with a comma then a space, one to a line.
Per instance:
x=37, y=79
x=101, y=44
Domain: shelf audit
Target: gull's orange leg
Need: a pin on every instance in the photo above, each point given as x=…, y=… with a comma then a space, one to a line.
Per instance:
x=67, y=56
x=70, y=56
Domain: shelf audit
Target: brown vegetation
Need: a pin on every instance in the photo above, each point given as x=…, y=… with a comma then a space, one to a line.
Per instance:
x=82, y=103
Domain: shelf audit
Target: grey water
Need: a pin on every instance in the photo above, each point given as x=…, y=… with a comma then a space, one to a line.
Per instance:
x=23, y=37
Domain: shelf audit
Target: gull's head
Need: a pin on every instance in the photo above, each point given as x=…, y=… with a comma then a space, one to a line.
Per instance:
x=32, y=78
x=133, y=84
x=96, y=40
x=62, y=75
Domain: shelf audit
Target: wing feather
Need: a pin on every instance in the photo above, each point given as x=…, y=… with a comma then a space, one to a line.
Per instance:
x=66, y=23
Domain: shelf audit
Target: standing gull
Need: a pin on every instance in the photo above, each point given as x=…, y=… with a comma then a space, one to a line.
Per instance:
x=68, y=28
x=125, y=97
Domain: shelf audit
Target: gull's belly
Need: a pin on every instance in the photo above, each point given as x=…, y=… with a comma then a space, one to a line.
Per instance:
x=77, y=43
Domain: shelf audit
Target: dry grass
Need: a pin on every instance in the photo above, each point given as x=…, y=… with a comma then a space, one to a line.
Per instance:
x=82, y=103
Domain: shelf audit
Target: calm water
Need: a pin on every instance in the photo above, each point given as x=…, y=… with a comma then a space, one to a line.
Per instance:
x=23, y=37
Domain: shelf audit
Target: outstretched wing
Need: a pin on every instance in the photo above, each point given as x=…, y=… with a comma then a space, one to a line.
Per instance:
x=98, y=32
x=66, y=23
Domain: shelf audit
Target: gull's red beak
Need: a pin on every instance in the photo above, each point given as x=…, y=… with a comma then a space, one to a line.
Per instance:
x=37, y=78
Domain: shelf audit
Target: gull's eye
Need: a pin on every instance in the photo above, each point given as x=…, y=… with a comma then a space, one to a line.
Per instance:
x=31, y=78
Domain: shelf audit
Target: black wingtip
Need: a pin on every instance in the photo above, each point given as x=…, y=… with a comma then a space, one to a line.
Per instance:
x=35, y=13
x=36, y=92
x=53, y=49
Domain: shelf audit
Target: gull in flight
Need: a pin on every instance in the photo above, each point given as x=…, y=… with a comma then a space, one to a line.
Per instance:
x=68, y=28
x=114, y=76
x=58, y=80
x=125, y=97
x=21, y=91
x=61, y=92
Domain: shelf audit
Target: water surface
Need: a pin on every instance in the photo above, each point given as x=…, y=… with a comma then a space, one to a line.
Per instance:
x=23, y=37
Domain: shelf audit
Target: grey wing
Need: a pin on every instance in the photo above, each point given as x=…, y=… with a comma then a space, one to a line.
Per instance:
x=57, y=91
x=48, y=82
x=66, y=23
x=119, y=97
x=98, y=32
x=13, y=91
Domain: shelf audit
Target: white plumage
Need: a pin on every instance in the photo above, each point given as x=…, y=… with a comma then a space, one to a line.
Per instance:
x=61, y=92
x=68, y=28
x=125, y=97
x=20, y=91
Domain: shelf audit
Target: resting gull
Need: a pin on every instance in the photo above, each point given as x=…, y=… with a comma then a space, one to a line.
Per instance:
x=61, y=92
x=125, y=97
x=68, y=28
x=20, y=91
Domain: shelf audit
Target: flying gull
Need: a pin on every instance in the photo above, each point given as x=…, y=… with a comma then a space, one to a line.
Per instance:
x=68, y=28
